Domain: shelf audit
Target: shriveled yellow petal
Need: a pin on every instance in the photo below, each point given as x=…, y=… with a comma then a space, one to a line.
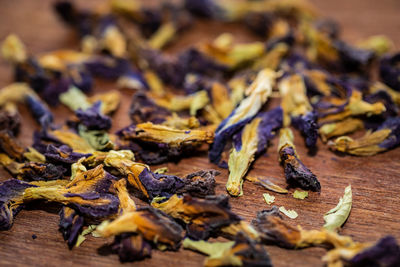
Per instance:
x=294, y=98
x=13, y=50
x=162, y=36
x=346, y=126
x=365, y=146
x=240, y=160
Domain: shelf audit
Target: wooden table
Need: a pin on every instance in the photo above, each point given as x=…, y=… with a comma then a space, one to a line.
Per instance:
x=375, y=180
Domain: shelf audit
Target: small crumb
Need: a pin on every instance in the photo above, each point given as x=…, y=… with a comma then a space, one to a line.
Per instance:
x=300, y=194
x=268, y=198
x=34, y=236
x=290, y=213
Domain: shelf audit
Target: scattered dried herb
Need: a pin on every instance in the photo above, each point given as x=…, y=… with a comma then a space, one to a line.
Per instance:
x=241, y=252
x=296, y=173
x=337, y=216
x=300, y=194
x=268, y=198
x=214, y=92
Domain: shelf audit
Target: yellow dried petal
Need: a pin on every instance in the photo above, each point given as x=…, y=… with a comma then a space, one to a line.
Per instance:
x=162, y=36
x=173, y=137
x=239, y=161
x=77, y=143
x=367, y=145
x=15, y=92
x=13, y=50
x=346, y=126
x=114, y=41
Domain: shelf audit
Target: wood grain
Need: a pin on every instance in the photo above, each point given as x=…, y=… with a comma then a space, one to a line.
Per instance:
x=375, y=180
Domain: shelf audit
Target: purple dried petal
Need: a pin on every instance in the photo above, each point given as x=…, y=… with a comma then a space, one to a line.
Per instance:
x=259, y=22
x=160, y=184
x=201, y=8
x=62, y=154
x=74, y=18
x=143, y=109
x=81, y=78
x=54, y=89
x=352, y=58
x=389, y=71
x=152, y=19
x=308, y=126
x=11, y=191
x=131, y=247
x=386, y=252
x=271, y=121
x=108, y=67
x=10, y=121
x=199, y=184
x=167, y=68
x=70, y=225
x=33, y=74
x=222, y=137
x=192, y=60
x=393, y=139
x=96, y=210
x=93, y=119
x=35, y=171
x=39, y=111
x=296, y=173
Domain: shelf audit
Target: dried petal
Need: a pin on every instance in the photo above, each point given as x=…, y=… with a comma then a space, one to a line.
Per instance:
x=242, y=252
x=296, y=173
x=152, y=224
x=70, y=225
x=258, y=93
x=390, y=71
x=267, y=184
x=346, y=126
x=202, y=216
x=131, y=247
x=384, y=138
x=11, y=201
x=337, y=216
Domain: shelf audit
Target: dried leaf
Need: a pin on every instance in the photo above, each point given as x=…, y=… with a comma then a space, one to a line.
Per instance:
x=337, y=216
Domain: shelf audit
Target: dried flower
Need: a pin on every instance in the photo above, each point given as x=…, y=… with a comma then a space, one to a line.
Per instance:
x=152, y=224
x=252, y=141
x=384, y=138
x=257, y=94
x=202, y=216
x=241, y=252
x=296, y=173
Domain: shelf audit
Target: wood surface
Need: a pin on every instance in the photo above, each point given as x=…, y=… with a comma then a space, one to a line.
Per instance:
x=375, y=180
